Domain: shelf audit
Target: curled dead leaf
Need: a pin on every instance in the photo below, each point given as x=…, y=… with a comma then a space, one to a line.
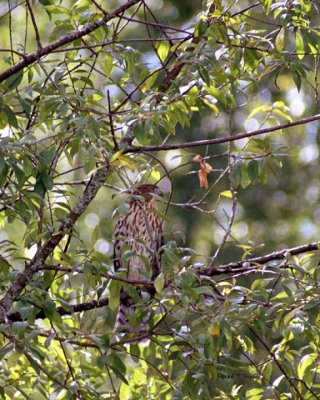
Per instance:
x=197, y=158
x=205, y=169
x=203, y=179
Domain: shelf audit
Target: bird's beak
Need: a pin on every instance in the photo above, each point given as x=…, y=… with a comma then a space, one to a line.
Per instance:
x=158, y=192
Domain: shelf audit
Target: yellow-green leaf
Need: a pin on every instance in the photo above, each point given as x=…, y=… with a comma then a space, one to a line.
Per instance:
x=159, y=283
x=108, y=64
x=163, y=50
x=307, y=361
x=124, y=161
x=212, y=106
x=264, y=108
x=300, y=46
x=215, y=329
x=227, y=193
x=280, y=40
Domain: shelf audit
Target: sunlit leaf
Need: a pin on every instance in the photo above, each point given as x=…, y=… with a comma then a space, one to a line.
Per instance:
x=280, y=39
x=300, y=45
x=159, y=283
x=163, y=49
x=114, y=288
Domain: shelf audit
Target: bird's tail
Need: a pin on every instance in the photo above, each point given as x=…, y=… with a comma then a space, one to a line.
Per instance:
x=122, y=323
x=126, y=309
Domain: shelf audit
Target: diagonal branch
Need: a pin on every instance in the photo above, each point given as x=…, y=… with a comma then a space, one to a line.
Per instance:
x=41, y=255
x=85, y=30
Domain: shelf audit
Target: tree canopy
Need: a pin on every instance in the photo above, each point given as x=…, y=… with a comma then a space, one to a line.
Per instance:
x=218, y=104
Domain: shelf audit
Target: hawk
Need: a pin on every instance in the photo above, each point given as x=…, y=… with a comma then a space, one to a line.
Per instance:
x=140, y=232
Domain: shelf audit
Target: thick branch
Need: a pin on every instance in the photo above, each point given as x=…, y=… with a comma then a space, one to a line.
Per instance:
x=252, y=263
x=90, y=305
x=219, y=140
x=31, y=58
x=248, y=265
x=33, y=265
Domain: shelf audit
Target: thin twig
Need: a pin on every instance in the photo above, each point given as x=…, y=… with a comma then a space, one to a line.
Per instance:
x=279, y=365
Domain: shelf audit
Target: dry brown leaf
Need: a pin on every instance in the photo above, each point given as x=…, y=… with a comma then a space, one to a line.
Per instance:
x=197, y=158
x=205, y=168
x=203, y=179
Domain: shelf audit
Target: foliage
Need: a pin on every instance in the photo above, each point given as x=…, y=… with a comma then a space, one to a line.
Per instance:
x=98, y=98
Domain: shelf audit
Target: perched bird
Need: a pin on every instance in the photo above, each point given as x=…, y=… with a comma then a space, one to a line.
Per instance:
x=140, y=232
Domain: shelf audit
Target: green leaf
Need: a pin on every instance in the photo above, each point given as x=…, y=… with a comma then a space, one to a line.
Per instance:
x=50, y=312
x=13, y=81
x=218, y=95
x=61, y=30
x=4, y=266
x=46, y=2
x=211, y=105
x=213, y=35
x=118, y=366
x=201, y=28
x=305, y=363
x=280, y=39
x=89, y=165
x=135, y=352
x=262, y=108
x=163, y=50
x=297, y=80
x=266, y=5
x=108, y=64
x=55, y=9
x=250, y=58
x=283, y=114
x=114, y=299
x=149, y=82
x=159, y=283
x=10, y=116
x=313, y=48
x=300, y=45
x=204, y=74
x=236, y=174
x=3, y=120
x=133, y=293
x=20, y=175
x=253, y=170
x=95, y=235
x=46, y=180
x=140, y=132
x=3, y=170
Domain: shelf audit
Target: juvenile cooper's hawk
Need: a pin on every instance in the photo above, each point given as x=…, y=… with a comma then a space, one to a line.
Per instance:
x=139, y=231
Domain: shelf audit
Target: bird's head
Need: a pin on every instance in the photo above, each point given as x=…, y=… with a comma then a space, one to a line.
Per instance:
x=147, y=191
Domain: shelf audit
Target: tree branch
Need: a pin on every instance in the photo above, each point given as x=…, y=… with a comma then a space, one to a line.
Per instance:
x=134, y=282
x=219, y=140
x=31, y=58
x=252, y=263
x=33, y=265
x=76, y=308
x=248, y=265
